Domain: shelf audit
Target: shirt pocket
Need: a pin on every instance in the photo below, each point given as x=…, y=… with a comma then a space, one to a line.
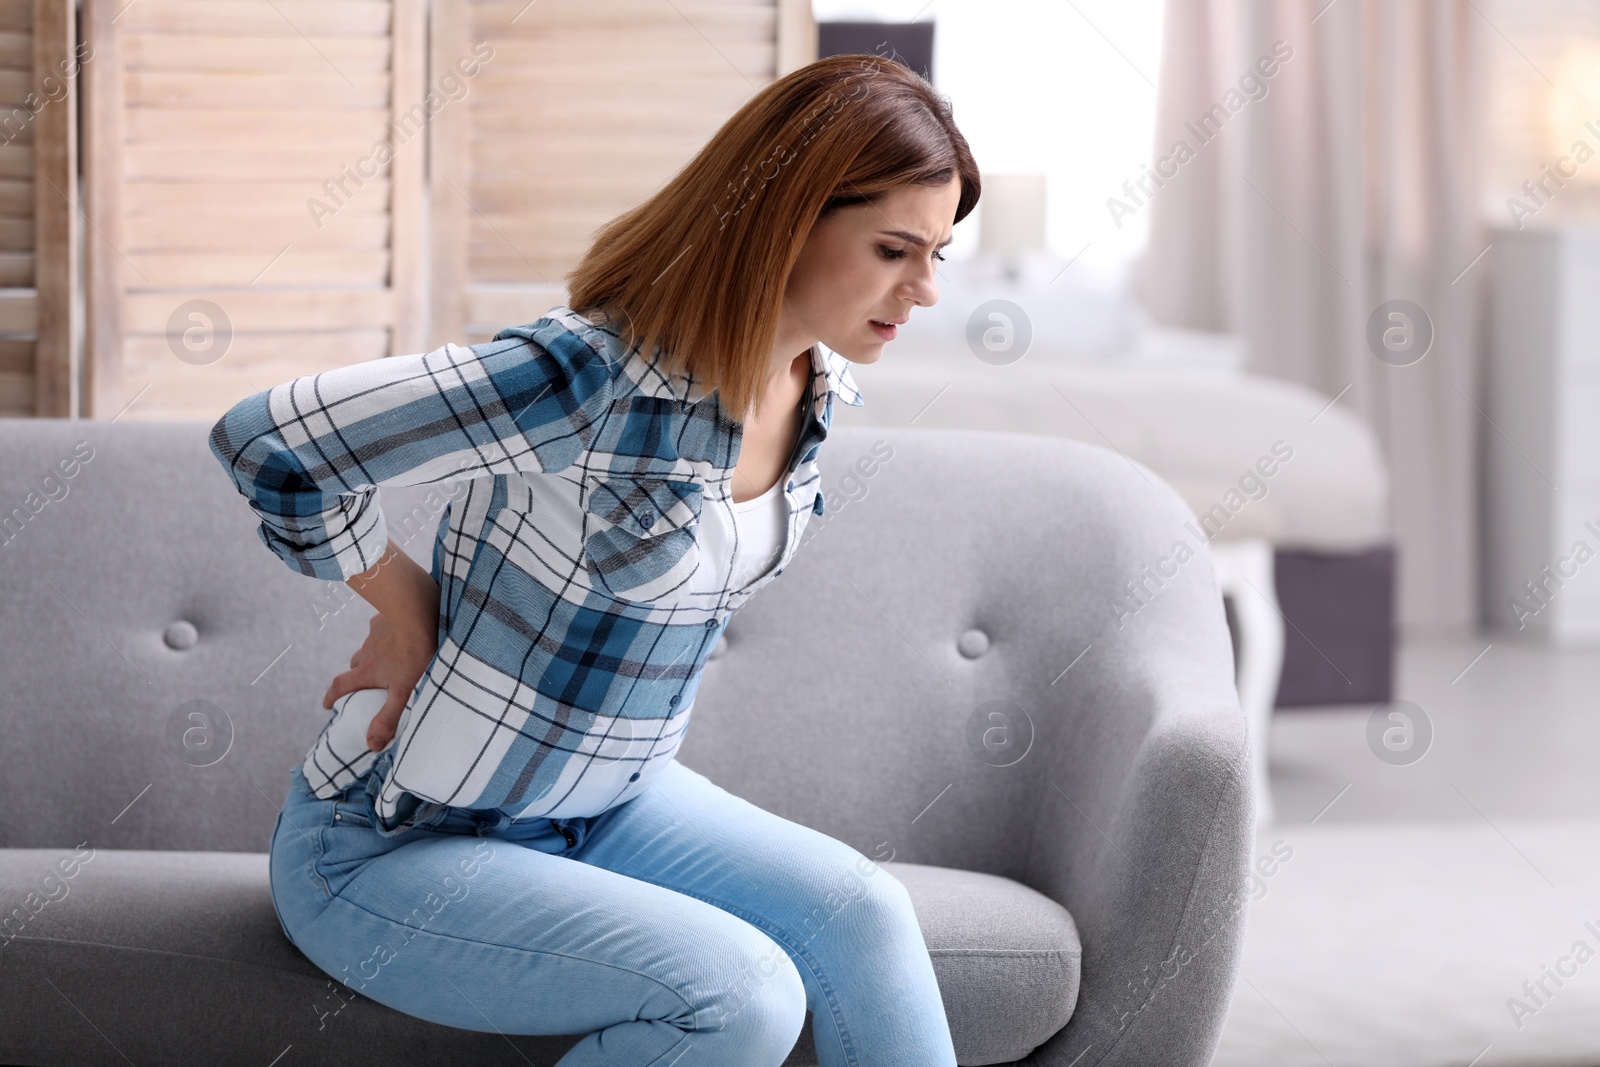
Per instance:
x=643, y=542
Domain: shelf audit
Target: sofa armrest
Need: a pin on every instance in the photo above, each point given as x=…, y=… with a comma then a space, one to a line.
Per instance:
x=1143, y=829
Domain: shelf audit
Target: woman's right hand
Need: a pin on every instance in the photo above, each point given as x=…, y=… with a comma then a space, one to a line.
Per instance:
x=401, y=639
x=393, y=657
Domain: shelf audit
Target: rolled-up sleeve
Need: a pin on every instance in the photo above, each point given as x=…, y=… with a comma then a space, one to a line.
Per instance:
x=309, y=454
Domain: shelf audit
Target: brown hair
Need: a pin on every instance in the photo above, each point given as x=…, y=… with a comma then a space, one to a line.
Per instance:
x=700, y=267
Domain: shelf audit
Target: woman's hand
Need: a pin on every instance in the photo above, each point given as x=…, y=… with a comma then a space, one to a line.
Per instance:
x=401, y=639
x=393, y=657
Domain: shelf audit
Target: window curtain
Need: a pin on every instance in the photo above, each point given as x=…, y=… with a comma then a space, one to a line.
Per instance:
x=1316, y=160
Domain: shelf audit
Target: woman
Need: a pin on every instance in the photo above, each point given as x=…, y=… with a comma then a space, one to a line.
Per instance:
x=491, y=832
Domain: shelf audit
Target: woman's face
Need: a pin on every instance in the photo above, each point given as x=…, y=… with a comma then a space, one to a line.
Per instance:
x=863, y=266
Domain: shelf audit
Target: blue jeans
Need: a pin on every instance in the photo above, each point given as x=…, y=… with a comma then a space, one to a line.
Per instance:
x=685, y=926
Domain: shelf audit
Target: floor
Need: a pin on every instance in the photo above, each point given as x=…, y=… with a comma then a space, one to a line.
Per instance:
x=1430, y=906
x=1516, y=734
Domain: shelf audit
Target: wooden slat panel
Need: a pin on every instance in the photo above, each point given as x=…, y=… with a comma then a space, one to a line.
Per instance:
x=15, y=85
x=16, y=269
x=16, y=355
x=662, y=40
x=264, y=55
x=16, y=395
x=558, y=191
x=16, y=235
x=294, y=268
x=16, y=126
x=503, y=160
x=270, y=357
x=499, y=306
x=16, y=51
x=16, y=161
x=256, y=127
x=719, y=95
x=169, y=197
x=611, y=119
x=319, y=309
x=312, y=164
x=584, y=110
x=617, y=17
x=448, y=181
x=252, y=18
x=16, y=199
x=406, y=275
x=161, y=89
x=252, y=228
x=797, y=36
x=543, y=265
x=19, y=311
x=51, y=161
x=16, y=16
x=103, y=111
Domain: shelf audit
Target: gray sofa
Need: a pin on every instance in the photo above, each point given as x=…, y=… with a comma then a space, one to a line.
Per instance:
x=1061, y=785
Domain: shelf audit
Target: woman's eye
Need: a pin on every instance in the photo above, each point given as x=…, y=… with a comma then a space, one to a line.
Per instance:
x=900, y=253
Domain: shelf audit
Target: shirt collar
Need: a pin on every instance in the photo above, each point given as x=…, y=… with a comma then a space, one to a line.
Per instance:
x=688, y=389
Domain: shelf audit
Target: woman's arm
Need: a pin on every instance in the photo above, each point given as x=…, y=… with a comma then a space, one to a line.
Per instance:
x=309, y=454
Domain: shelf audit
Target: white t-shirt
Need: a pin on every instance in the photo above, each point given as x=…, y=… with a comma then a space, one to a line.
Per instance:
x=761, y=522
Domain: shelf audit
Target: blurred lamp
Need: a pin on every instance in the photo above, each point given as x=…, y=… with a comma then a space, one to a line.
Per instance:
x=1011, y=218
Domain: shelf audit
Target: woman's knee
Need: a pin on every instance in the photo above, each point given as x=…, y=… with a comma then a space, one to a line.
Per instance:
x=857, y=895
x=758, y=997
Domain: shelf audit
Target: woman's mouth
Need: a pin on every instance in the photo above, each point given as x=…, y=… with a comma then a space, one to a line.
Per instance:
x=885, y=330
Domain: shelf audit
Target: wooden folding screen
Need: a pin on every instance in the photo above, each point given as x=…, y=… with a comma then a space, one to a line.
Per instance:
x=247, y=223
x=583, y=110
x=40, y=65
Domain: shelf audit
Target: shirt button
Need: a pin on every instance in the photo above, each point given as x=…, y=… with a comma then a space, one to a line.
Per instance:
x=711, y=624
x=634, y=777
x=673, y=699
x=647, y=519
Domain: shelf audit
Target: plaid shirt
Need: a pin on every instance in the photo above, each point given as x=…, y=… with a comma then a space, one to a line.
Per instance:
x=576, y=611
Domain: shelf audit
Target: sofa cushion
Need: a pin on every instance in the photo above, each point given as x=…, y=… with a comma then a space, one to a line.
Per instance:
x=178, y=958
x=1006, y=956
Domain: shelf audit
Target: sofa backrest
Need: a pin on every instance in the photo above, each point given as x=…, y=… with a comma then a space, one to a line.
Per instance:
x=162, y=670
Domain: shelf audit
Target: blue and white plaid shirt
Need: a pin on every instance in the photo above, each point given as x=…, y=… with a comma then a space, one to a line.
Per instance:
x=576, y=611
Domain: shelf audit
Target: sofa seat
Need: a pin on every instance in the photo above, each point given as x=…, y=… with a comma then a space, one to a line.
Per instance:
x=166, y=957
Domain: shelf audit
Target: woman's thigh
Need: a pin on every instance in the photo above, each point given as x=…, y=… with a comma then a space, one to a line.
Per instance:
x=848, y=926
x=479, y=932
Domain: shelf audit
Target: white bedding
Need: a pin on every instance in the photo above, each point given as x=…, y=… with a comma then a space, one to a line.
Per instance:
x=1203, y=430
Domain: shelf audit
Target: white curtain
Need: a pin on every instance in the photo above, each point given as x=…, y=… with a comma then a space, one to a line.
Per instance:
x=1345, y=178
